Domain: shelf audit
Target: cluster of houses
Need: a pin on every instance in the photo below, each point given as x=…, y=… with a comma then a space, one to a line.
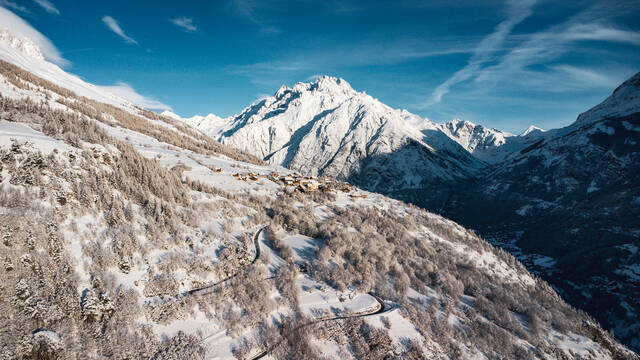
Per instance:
x=310, y=183
x=248, y=176
x=301, y=183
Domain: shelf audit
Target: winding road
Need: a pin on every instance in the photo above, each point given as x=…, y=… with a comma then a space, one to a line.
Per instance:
x=382, y=308
x=256, y=244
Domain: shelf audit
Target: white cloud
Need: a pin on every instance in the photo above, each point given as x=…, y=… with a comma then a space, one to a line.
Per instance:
x=48, y=6
x=18, y=27
x=125, y=91
x=545, y=46
x=13, y=5
x=249, y=9
x=115, y=27
x=313, y=77
x=517, y=12
x=246, y=8
x=185, y=23
x=602, y=33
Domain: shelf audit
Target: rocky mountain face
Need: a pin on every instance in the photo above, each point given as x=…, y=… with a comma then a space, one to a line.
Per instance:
x=489, y=145
x=476, y=139
x=569, y=206
x=561, y=200
x=126, y=235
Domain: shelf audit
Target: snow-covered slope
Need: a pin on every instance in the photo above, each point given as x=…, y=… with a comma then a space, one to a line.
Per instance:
x=327, y=128
x=25, y=53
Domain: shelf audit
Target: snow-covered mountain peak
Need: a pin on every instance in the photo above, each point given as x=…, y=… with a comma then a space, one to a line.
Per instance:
x=326, y=85
x=489, y=145
x=283, y=89
x=171, y=114
x=211, y=121
x=24, y=44
x=332, y=84
x=625, y=100
x=472, y=136
x=531, y=129
x=459, y=123
x=325, y=127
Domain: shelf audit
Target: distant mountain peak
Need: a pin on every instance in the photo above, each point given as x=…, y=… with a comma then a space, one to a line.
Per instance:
x=531, y=129
x=171, y=114
x=24, y=44
x=476, y=139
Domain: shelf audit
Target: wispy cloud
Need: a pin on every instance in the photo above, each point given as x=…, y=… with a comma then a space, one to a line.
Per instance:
x=14, y=6
x=484, y=52
x=525, y=65
x=600, y=32
x=21, y=28
x=249, y=9
x=184, y=23
x=48, y=6
x=546, y=46
x=125, y=91
x=115, y=27
x=312, y=77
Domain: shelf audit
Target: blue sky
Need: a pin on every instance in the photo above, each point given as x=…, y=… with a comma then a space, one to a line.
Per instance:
x=504, y=64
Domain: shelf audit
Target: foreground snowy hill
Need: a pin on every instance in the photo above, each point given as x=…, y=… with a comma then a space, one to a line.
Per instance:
x=126, y=234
